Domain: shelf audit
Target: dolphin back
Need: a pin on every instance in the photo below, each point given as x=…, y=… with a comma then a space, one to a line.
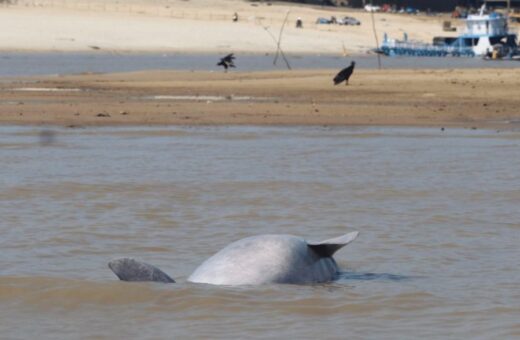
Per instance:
x=127, y=269
x=328, y=247
x=266, y=259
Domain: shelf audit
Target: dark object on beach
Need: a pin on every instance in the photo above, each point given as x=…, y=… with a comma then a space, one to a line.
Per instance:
x=227, y=61
x=344, y=74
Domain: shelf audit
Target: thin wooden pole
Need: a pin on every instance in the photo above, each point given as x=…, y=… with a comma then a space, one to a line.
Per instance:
x=278, y=44
x=375, y=35
x=279, y=47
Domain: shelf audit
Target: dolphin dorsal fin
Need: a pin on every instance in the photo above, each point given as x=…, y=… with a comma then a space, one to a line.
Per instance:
x=127, y=269
x=328, y=247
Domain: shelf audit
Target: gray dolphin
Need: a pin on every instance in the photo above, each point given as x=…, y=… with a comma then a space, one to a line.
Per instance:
x=253, y=260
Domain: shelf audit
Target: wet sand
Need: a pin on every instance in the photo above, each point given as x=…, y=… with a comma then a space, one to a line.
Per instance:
x=459, y=98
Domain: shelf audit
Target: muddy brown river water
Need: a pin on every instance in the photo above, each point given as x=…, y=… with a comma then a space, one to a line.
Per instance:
x=438, y=255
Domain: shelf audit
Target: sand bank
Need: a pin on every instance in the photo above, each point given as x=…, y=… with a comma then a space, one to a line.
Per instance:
x=462, y=98
x=196, y=26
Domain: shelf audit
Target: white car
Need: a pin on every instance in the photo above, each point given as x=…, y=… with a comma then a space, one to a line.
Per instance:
x=371, y=8
x=349, y=21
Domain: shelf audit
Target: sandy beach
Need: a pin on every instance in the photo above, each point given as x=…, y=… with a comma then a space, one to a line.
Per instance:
x=461, y=98
x=464, y=98
x=197, y=26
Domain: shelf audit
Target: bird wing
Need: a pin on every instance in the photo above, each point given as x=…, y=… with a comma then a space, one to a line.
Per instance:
x=229, y=58
x=340, y=76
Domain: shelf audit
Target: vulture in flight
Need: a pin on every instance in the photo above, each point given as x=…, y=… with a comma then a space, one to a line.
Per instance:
x=344, y=74
x=227, y=61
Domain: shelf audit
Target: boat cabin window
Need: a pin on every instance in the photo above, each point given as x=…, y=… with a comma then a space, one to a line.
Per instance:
x=471, y=41
x=495, y=25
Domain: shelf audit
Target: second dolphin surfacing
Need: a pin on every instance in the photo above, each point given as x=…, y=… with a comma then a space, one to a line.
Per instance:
x=256, y=260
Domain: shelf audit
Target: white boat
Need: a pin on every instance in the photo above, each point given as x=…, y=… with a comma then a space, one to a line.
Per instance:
x=484, y=34
x=484, y=31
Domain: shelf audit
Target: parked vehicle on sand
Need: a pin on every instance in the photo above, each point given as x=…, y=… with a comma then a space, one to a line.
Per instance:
x=371, y=8
x=349, y=21
x=323, y=21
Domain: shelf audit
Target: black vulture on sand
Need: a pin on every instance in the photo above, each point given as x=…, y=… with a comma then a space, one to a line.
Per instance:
x=344, y=74
x=227, y=61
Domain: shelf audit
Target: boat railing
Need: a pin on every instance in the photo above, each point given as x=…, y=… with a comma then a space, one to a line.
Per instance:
x=414, y=48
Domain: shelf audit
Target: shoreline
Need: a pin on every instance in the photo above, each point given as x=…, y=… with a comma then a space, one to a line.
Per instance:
x=40, y=64
x=416, y=98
